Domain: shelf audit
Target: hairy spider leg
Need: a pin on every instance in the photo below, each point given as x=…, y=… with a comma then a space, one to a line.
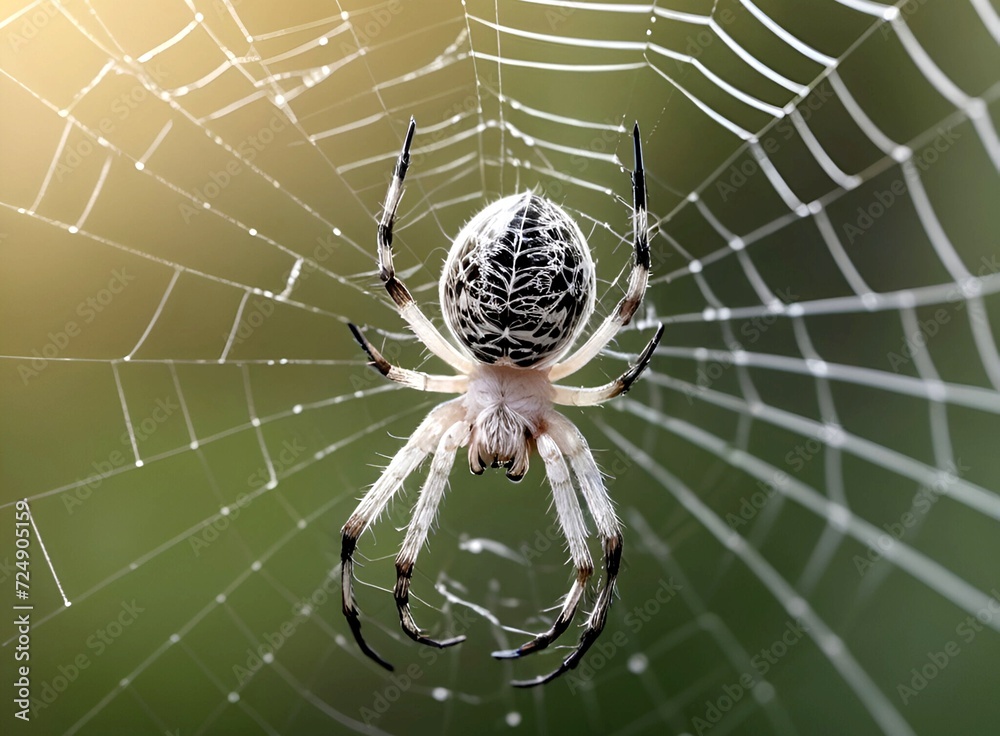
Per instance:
x=421, y=443
x=574, y=529
x=413, y=379
x=572, y=396
x=637, y=281
x=595, y=622
x=564, y=442
x=405, y=304
x=416, y=534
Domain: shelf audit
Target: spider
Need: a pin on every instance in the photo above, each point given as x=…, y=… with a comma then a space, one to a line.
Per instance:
x=518, y=288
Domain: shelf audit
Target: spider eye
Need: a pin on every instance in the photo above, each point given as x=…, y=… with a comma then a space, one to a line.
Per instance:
x=519, y=282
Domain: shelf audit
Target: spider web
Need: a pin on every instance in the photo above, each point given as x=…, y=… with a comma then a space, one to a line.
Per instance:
x=808, y=469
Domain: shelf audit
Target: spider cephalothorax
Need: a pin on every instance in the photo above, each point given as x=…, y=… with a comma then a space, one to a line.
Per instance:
x=506, y=408
x=517, y=290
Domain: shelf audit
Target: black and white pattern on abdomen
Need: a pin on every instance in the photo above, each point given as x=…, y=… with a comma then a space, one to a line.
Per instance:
x=519, y=283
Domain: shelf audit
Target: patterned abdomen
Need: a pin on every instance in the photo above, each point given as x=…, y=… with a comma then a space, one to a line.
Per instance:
x=519, y=282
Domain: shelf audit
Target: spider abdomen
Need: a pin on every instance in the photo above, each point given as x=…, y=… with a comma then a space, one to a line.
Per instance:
x=519, y=282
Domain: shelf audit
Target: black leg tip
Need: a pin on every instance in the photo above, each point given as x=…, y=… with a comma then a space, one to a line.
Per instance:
x=410, y=130
x=365, y=649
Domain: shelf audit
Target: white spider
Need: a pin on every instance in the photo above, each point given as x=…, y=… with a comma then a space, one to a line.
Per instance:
x=517, y=289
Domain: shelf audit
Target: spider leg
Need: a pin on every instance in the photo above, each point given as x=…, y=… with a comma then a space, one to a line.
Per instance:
x=569, y=396
x=573, y=445
x=571, y=442
x=626, y=308
x=414, y=379
x=595, y=622
x=416, y=534
x=420, y=444
x=401, y=296
x=574, y=529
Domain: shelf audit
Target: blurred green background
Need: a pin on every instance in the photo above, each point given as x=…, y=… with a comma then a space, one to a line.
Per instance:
x=808, y=472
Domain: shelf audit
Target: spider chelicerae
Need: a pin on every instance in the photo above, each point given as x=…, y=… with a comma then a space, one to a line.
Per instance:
x=517, y=290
